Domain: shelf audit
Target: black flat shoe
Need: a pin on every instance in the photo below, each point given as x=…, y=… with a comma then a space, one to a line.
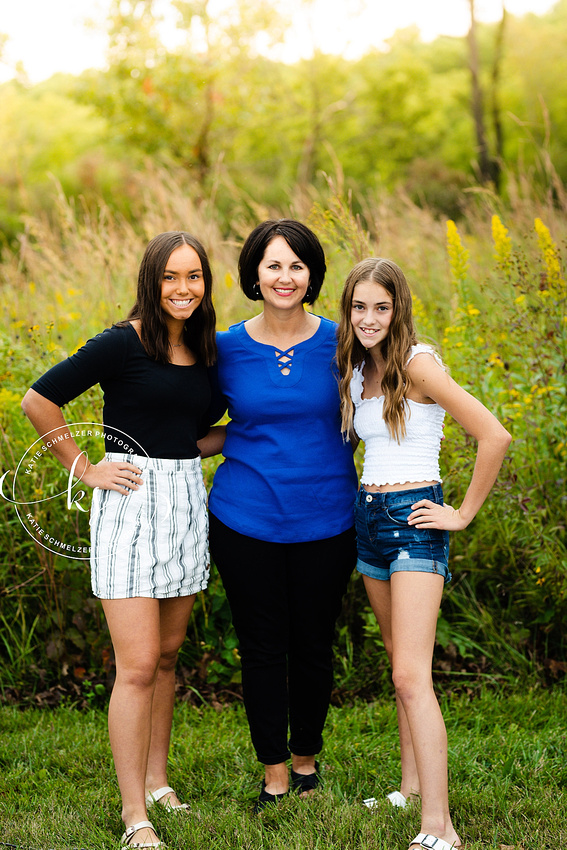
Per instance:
x=301, y=782
x=266, y=798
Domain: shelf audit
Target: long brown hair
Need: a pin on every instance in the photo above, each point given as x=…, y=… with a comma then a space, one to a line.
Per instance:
x=395, y=348
x=199, y=329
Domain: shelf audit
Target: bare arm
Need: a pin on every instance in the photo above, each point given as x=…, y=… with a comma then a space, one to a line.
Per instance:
x=492, y=439
x=45, y=416
x=212, y=443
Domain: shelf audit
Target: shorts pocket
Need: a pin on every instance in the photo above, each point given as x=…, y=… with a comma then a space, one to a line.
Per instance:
x=399, y=512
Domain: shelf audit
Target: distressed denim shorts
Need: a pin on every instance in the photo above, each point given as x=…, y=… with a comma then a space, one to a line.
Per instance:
x=387, y=544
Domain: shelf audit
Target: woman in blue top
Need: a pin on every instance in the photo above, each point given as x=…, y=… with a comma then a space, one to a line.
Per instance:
x=281, y=506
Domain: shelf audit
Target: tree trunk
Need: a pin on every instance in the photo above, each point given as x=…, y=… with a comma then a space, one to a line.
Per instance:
x=484, y=163
x=496, y=114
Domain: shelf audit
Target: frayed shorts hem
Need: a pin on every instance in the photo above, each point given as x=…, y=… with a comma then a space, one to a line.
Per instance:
x=409, y=565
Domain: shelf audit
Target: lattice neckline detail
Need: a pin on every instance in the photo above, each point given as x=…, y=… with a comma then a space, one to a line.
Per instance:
x=284, y=359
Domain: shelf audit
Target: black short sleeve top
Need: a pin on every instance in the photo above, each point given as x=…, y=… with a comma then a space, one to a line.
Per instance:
x=163, y=407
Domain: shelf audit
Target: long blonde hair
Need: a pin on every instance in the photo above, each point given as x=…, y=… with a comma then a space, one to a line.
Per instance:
x=395, y=348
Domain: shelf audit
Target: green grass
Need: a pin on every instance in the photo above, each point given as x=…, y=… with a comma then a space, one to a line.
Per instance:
x=508, y=778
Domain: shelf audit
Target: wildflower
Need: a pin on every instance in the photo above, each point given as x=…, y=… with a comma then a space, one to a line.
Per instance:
x=495, y=360
x=502, y=244
x=550, y=254
x=458, y=255
x=8, y=399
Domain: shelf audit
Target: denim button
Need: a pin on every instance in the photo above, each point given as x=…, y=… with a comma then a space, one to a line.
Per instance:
x=369, y=498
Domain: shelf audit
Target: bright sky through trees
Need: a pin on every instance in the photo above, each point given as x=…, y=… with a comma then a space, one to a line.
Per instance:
x=46, y=37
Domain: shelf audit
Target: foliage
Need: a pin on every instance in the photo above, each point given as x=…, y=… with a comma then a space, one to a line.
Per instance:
x=224, y=111
x=510, y=351
x=506, y=763
x=495, y=305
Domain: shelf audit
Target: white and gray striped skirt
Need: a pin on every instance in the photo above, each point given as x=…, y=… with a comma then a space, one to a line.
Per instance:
x=154, y=541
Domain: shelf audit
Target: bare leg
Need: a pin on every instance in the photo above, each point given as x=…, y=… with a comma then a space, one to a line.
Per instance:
x=413, y=639
x=379, y=596
x=135, y=632
x=174, y=616
x=304, y=765
x=276, y=778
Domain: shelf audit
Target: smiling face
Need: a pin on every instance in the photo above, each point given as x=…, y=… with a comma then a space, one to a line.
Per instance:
x=372, y=310
x=282, y=276
x=183, y=285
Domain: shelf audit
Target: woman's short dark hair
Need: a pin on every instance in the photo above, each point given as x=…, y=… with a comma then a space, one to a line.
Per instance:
x=302, y=242
x=199, y=330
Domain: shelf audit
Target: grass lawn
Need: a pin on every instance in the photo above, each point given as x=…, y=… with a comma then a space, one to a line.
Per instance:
x=507, y=765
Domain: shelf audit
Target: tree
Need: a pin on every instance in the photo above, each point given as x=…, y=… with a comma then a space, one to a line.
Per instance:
x=488, y=166
x=168, y=103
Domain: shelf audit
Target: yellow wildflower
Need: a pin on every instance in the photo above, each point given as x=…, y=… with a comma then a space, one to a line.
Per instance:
x=458, y=255
x=502, y=244
x=550, y=254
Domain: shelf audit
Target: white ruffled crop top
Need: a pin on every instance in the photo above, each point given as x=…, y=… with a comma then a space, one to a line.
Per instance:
x=416, y=457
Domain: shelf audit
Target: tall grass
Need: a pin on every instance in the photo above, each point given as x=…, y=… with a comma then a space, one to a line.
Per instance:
x=490, y=295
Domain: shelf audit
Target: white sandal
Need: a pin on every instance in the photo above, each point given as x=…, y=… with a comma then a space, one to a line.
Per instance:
x=131, y=831
x=397, y=799
x=155, y=796
x=430, y=842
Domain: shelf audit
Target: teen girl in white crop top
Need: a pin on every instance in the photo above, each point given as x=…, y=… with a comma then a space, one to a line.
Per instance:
x=394, y=394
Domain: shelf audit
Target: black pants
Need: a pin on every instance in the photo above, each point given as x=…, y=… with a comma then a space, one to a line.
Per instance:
x=285, y=599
